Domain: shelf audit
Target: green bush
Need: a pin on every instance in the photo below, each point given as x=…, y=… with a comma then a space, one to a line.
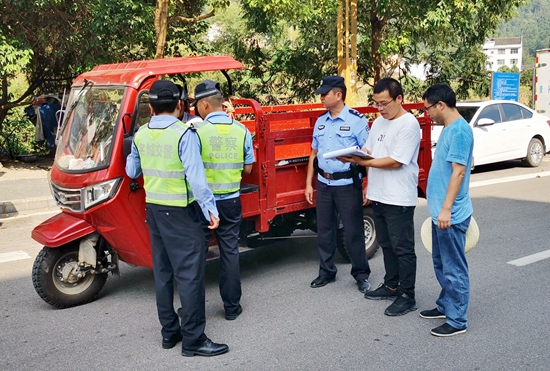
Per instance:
x=17, y=137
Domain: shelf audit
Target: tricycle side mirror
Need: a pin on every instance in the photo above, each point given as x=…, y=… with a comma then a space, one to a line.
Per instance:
x=126, y=131
x=485, y=122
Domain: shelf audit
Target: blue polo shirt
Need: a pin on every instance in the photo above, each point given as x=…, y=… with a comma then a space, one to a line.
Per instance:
x=349, y=128
x=455, y=144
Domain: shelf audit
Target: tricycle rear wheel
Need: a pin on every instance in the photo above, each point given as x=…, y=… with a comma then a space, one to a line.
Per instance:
x=371, y=243
x=54, y=276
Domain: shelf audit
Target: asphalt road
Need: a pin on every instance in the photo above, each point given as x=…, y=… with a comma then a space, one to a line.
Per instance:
x=286, y=325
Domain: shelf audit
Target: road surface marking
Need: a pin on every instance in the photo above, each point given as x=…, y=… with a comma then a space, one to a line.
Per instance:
x=20, y=216
x=482, y=183
x=13, y=256
x=530, y=258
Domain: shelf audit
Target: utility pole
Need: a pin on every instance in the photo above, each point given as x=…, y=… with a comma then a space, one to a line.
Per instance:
x=347, y=47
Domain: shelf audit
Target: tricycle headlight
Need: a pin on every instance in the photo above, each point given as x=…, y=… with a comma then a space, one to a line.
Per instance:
x=98, y=193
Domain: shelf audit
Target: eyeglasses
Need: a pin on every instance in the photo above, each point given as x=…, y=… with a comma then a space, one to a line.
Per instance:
x=380, y=106
x=433, y=105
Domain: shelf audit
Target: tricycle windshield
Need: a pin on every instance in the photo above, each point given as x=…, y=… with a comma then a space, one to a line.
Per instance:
x=86, y=138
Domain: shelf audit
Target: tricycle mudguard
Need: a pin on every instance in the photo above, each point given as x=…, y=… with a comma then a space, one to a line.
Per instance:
x=60, y=230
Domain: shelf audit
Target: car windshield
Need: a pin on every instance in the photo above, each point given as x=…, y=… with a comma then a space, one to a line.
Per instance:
x=86, y=138
x=467, y=112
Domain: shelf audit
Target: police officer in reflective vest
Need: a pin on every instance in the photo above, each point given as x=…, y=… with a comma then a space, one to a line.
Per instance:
x=227, y=153
x=166, y=152
x=340, y=127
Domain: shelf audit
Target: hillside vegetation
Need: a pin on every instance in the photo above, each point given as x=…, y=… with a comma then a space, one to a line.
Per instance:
x=531, y=23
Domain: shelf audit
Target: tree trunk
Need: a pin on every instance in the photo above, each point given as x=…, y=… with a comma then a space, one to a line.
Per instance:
x=377, y=25
x=3, y=109
x=161, y=25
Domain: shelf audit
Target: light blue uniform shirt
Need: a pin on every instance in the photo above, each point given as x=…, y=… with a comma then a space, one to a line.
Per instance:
x=349, y=128
x=190, y=157
x=455, y=144
x=222, y=118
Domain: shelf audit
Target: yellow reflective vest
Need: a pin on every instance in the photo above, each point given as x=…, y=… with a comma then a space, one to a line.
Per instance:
x=223, y=155
x=163, y=173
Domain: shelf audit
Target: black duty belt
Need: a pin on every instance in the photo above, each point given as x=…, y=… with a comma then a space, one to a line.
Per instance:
x=336, y=176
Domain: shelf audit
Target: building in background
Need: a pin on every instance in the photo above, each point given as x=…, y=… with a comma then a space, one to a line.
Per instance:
x=504, y=52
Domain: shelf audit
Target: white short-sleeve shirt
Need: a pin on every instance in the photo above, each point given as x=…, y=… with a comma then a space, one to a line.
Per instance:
x=400, y=140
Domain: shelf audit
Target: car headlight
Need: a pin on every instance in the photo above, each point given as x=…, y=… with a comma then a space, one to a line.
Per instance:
x=98, y=193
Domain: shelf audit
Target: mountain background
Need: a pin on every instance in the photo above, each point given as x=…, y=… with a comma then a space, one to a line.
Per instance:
x=533, y=24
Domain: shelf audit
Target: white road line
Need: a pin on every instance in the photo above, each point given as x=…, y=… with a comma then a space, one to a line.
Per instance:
x=14, y=255
x=530, y=258
x=21, y=216
x=482, y=183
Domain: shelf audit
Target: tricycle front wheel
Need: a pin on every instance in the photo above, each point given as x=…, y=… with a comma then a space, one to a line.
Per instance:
x=371, y=243
x=58, y=281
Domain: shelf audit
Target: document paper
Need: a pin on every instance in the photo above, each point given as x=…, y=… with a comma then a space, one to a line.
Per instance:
x=355, y=150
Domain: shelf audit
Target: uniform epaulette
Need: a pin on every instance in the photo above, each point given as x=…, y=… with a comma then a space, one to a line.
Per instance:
x=356, y=113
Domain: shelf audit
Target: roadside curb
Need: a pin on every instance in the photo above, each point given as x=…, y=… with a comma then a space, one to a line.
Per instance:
x=13, y=208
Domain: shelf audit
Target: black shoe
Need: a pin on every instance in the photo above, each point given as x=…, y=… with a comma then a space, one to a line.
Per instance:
x=446, y=330
x=206, y=349
x=432, y=314
x=383, y=292
x=321, y=281
x=231, y=317
x=402, y=305
x=170, y=342
x=363, y=285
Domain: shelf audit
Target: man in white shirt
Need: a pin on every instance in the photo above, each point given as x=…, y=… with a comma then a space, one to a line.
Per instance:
x=394, y=142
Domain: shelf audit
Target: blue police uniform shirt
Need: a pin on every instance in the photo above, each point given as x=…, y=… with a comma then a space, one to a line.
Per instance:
x=349, y=128
x=191, y=161
x=222, y=118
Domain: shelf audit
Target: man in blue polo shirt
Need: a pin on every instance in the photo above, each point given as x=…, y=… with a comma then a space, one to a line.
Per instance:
x=450, y=207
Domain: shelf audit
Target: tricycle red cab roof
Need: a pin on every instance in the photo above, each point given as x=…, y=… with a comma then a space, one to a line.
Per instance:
x=134, y=73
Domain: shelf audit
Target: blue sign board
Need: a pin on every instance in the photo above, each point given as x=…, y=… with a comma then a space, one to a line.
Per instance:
x=505, y=85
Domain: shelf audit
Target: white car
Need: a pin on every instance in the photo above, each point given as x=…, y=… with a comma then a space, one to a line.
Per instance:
x=503, y=130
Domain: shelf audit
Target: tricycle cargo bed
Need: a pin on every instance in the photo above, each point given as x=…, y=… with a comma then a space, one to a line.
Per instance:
x=282, y=143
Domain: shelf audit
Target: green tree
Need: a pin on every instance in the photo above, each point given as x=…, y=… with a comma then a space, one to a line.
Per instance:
x=64, y=38
x=445, y=35
x=13, y=60
x=55, y=40
x=531, y=23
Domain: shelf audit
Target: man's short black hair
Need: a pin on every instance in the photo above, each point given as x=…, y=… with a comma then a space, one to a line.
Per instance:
x=393, y=87
x=440, y=93
x=341, y=89
x=164, y=106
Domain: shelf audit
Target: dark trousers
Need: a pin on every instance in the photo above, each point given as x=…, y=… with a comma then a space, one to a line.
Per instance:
x=394, y=227
x=227, y=235
x=178, y=251
x=348, y=202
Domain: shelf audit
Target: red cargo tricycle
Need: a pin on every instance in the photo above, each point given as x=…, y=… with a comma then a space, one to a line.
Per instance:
x=102, y=218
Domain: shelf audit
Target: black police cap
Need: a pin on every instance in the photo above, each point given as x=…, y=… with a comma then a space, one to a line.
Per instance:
x=205, y=89
x=163, y=90
x=330, y=82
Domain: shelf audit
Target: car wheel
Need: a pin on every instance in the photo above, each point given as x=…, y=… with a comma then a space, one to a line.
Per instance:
x=535, y=153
